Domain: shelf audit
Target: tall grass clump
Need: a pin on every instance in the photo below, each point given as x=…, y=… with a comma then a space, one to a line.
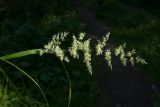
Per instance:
x=79, y=45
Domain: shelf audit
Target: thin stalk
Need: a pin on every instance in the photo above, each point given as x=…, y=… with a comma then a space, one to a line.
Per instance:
x=70, y=85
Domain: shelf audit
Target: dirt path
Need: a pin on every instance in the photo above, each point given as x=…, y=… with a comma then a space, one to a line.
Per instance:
x=122, y=87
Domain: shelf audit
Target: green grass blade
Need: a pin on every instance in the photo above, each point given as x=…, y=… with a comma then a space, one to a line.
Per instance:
x=27, y=75
x=21, y=54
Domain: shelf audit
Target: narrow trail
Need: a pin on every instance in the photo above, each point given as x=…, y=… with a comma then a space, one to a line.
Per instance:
x=121, y=87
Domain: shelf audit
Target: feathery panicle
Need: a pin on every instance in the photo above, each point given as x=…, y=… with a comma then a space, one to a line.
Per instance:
x=79, y=44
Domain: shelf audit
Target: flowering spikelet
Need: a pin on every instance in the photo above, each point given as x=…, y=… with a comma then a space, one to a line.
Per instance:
x=140, y=60
x=102, y=44
x=121, y=53
x=130, y=55
x=76, y=45
x=87, y=55
x=84, y=46
x=81, y=36
x=108, y=57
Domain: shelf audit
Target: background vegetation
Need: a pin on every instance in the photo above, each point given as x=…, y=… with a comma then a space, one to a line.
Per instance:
x=30, y=24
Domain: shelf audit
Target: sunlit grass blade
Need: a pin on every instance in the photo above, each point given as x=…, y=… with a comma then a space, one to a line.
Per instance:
x=21, y=54
x=27, y=75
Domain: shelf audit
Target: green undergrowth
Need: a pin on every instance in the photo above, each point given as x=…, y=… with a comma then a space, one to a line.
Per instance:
x=12, y=96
